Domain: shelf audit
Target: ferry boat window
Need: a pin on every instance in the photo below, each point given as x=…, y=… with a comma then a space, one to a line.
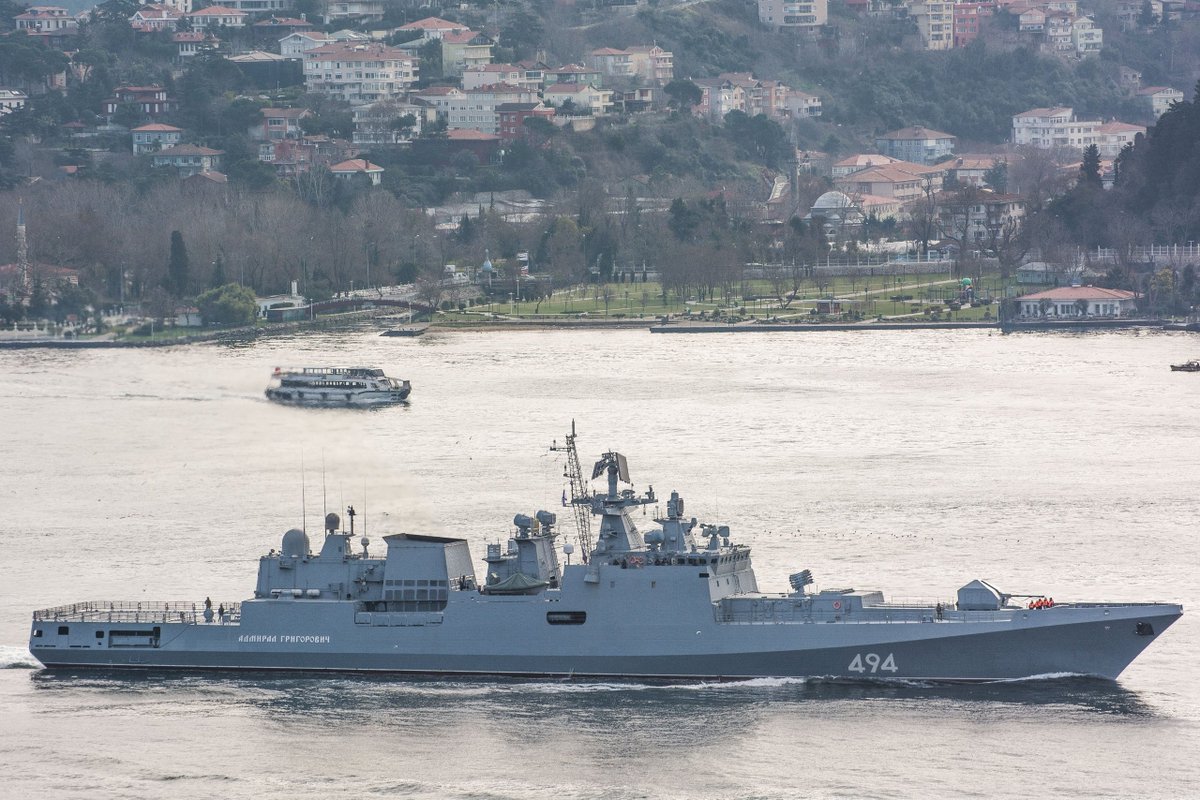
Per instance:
x=37, y=633
x=99, y=634
x=566, y=617
x=63, y=630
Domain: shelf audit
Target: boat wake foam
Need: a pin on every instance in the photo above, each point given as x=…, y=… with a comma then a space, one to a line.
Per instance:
x=1045, y=676
x=570, y=686
x=17, y=658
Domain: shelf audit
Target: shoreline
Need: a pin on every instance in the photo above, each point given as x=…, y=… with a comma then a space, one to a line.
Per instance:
x=279, y=329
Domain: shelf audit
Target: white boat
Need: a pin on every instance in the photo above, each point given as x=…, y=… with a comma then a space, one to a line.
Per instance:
x=336, y=387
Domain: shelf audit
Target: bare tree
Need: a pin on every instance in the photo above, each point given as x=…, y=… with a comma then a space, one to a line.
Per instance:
x=1037, y=175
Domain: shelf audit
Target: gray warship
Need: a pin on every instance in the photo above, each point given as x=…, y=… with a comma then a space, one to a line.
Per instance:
x=676, y=601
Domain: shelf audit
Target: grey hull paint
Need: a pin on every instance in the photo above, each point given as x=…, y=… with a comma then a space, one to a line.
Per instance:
x=944, y=651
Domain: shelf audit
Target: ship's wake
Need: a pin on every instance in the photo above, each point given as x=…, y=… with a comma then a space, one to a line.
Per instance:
x=16, y=658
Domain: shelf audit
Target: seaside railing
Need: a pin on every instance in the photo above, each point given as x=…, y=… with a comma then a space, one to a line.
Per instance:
x=139, y=612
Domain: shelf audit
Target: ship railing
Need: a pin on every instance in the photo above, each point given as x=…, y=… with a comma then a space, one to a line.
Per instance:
x=786, y=613
x=126, y=611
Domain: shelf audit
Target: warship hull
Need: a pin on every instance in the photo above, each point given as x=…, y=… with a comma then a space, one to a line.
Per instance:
x=513, y=639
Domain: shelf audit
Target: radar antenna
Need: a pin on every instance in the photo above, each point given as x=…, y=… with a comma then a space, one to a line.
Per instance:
x=580, y=497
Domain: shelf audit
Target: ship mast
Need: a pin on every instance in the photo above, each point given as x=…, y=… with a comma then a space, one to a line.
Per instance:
x=580, y=497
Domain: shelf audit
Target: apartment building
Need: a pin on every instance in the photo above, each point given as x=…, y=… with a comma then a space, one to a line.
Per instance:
x=1053, y=127
x=1157, y=99
x=916, y=144
x=935, y=21
x=359, y=73
x=791, y=15
x=650, y=63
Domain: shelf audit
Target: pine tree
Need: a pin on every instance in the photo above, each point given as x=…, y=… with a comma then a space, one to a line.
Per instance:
x=177, y=266
x=1089, y=170
x=218, y=274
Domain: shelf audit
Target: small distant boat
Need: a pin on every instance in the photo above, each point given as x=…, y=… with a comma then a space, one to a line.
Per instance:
x=1187, y=366
x=412, y=330
x=336, y=387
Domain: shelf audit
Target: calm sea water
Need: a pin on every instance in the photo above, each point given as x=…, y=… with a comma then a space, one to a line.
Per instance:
x=908, y=461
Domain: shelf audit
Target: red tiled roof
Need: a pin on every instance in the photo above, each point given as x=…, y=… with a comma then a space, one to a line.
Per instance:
x=284, y=113
x=499, y=88
x=189, y=150
x=356, y=165
x=438, y=90
x=459, y=37
x=915, y=132
x=431, y=24
x=1080, y=293
x=359, y=51
x=1120, y=127
x=217, y=11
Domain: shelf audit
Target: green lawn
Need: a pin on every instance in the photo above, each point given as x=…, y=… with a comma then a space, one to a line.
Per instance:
x=868, y=296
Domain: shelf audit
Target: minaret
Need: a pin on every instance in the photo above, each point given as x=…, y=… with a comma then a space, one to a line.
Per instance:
x=22, y=246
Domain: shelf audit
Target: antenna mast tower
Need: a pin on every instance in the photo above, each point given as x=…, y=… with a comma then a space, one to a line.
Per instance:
x=580, y=497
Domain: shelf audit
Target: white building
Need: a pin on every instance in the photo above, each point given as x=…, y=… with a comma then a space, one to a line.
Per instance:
x=295, y=45
x=11, y=100
x=597, y=102
x=1159, y=98
x=154, y=137
x=379, y=123
x=44, y=19
x=212, y=16
x=361, y=10
x=488, y=74
x=1053, y=127
x=359, y=73
x=790, y=14
x=1112, y=137
x=1071, y=301
x=647, y=62
x=1086, y=37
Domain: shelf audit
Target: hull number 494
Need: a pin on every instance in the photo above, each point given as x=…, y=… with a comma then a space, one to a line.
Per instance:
x=872, y=663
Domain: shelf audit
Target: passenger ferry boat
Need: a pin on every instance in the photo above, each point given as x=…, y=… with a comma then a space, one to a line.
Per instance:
x=338, y=387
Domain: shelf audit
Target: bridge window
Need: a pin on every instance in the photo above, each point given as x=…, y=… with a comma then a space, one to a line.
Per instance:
x=63, y=630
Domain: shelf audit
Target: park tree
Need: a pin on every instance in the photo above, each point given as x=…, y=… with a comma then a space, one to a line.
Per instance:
x=562, y=250
x=231, y=304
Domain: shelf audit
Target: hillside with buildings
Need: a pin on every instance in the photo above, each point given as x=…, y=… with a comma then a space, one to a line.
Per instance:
x=547, y=127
